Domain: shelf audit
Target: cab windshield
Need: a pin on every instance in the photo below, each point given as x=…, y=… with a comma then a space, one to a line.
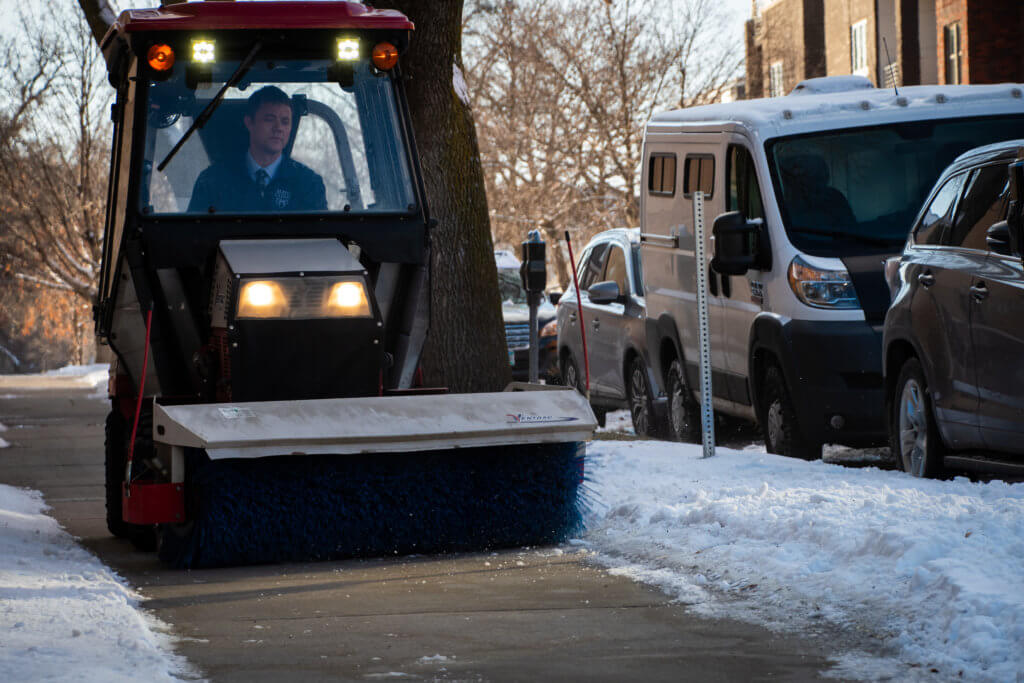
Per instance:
x=860, y=189
x=288, y=138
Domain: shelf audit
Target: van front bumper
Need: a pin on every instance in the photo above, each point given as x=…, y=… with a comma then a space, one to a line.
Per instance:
x=833, y=371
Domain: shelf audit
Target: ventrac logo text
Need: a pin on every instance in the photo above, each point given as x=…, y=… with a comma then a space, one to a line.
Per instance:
x=523, y=418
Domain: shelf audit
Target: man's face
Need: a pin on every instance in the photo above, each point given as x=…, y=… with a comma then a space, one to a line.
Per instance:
x=269, y=128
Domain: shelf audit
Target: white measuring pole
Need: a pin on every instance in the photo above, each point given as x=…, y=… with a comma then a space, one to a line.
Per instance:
x=707, y=415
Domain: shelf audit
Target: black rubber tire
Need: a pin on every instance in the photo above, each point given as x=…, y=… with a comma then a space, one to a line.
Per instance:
x=571, y=374
x=116, y=440
x=913, y=433
x=779, y=424
x=572, y=378
x=683, y=411
x=641, y=404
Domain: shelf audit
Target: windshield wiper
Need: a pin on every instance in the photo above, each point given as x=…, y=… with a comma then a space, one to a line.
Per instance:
x=866, y=239
x=211, y=107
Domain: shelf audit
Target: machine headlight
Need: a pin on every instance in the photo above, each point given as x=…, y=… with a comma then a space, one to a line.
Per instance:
x=262, y=299
x=348, y=299
x=551, y=329
x=303, y=299
x=822, y=288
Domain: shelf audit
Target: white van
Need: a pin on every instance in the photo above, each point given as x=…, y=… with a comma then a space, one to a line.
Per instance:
x=808, y=194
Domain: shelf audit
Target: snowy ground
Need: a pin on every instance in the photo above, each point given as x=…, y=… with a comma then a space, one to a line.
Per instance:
x=65, y=616
x=908, y=579
x=927, y=573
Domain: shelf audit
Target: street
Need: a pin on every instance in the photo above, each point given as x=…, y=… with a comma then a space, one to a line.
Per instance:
x=525, y=614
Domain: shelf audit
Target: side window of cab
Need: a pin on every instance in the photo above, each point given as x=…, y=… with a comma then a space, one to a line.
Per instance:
x=744, y=192
x=616, y=269
x=938, y=217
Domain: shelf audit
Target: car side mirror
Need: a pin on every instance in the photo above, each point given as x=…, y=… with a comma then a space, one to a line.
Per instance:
x=736, y=244
x=605, y=293
x=1015, y=216
x=997, y=237
x=554, y=298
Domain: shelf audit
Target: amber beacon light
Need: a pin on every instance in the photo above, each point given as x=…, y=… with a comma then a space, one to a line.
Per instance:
x=160, y=57
x=385, y=56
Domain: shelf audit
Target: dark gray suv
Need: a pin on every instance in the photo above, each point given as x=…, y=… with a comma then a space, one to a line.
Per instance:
x=954, y=334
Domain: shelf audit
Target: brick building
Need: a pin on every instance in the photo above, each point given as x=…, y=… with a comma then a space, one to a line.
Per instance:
x=902, y=42
x=785, y=45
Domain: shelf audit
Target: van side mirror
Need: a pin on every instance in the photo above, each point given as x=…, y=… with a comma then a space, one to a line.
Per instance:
x=997, y=237
x=736, y=244
x=605, y=293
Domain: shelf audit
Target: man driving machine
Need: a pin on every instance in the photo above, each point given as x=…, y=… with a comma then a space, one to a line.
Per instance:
x=264, y=180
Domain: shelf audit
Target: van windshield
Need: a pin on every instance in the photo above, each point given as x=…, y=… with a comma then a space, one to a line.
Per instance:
x=289, y=138
x=860, y=189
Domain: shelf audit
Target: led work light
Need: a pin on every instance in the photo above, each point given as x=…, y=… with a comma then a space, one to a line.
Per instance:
x=203, y=51
x=348, y=49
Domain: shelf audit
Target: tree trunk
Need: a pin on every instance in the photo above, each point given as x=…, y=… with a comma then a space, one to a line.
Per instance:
x=466, y=348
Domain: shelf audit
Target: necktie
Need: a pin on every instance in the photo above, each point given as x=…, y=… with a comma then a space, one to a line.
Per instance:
x=262, y=179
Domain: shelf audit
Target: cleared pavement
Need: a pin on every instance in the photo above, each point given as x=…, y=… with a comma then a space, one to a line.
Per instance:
x=520, y=615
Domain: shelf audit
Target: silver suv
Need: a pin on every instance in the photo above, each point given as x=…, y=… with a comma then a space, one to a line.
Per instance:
x=614, y=311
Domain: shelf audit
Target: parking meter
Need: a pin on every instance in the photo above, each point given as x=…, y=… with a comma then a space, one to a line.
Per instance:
x=535, y=279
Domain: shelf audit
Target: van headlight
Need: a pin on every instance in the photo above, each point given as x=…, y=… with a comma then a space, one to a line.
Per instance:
x=303, y=299
x=822, y=288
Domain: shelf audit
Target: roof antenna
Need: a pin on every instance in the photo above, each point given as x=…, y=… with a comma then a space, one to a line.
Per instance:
x=889, y=68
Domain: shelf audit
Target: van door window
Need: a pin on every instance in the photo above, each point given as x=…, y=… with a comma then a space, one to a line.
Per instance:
x=616, y=270
x=744, y=190
x=594, y=266
x=937, y=216
x=699, y=175
x=661, y=175
x=984, y=203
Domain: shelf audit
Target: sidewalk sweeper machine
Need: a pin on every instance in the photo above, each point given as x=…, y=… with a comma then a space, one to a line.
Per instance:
x=265, y=290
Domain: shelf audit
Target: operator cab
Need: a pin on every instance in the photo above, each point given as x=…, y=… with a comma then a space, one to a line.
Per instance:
x=330, y=245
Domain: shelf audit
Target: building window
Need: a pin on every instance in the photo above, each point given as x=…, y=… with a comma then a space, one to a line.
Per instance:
x=859, y=48
x=775, y=80
x=954, y=54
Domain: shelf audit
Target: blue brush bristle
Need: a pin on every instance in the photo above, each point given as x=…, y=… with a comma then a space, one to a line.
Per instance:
x=297, y=508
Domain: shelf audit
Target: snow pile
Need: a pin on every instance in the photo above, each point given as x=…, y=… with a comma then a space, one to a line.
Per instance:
x=63, y=615
x=928, y=571
x=69, y=377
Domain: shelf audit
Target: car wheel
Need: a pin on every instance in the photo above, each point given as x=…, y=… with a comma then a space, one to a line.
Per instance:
x=638, y=392
x=683, y=411
x=779, y=424
x=914, y=436
x=571, y=375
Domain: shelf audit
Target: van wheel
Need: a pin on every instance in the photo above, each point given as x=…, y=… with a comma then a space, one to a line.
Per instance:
x=779, y=424
x=683, y=411
x=638, y=392
x=913, y=434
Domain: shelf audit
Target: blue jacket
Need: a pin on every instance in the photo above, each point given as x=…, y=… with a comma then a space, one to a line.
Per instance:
x=228, y=188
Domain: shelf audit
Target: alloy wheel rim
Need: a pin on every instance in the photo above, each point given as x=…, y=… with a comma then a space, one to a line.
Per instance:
x=638, y=402
x=775, y=424
x=676, y=411
x=913, y=421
